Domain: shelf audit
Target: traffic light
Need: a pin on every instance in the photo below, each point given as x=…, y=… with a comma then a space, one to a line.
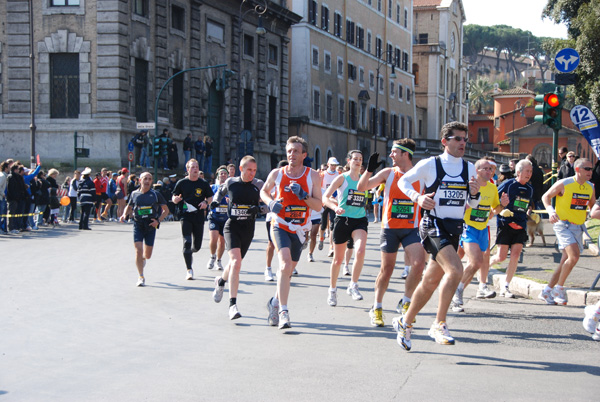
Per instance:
x=160, y=146
x=156, y=146
x=222, y=83
x=551, y=108
x=163, y=146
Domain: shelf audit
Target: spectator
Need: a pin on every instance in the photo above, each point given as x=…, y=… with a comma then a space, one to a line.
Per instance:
x=73, y=195
x=199, y=147
x=567, y=169
x=29, y=202
x=98, y=197
x=537, y=182
x=562, y=155
x=65, y=187
x=15, y=195
x=85, y=193
x=111, y=190
x=172, y=154
x=4, y=172
x=505, y=173
x=139, y=145
x=121, y=192
x=511, y=164
x=41, y=193
x=163, y=160
x=188, y=147
x=208, y=151
x=54, y=206
x=132, y=185
x=51, y=177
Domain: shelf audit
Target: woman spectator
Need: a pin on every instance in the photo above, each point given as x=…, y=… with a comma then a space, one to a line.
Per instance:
x=86, y=192
x=16, y=193
x=132, y=184
x=121, y=192
x=73, y=195
x=65, y=187
x=42, y=198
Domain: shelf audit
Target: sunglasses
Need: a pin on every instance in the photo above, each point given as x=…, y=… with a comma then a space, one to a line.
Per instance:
x=587, y=169
x=458, y=138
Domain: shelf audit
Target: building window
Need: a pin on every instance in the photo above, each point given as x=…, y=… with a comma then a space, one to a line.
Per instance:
x=398, y=13
x=405, y=18
x=350, y=32
x=177, y=18
x=178, y=100
x=61, y=3
x=329, y=108
x=360, y=37
x=316, y=104
x=363, y=115
x=378, y=47
x=248, y=101
x=361, y=75
x=497, y=122
x=383, y=124
x=405, y=61
x=394, y=126
x=312, y=12
x=389, y=53
x=402, y=133
x=397, y=57
x=325, y=18
x=392, y=89
x=400, y=92
x=379, y=5
x=327, y=62
x=315, y=57
x=369, y=42
x=141, y=90
x=371, y=81
x=273, y=55
x=410, y=127
x=64, y=88
x=352, y=113
x=140, y=7
x=423, y=39
x=215, y=31
x=340, y=68
x=390, y=8
x=381, y=87
x=483, y=136
x=351, y=72
x=341, y=112
x=415, y=71
x=408, y=94
x=249, y=45
x=272, y=120
x=337, y=25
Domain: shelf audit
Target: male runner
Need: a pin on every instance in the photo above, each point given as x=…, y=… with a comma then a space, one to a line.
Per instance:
x=328, y=215
x=216, y=222
x=195, y=195
x=399, y=223
x=475, y=239
x=512, y=221
x=573, y=195
x=297, y=192
x=270, y=246
x=448, y=190
x=244, y=197
x=149, y=209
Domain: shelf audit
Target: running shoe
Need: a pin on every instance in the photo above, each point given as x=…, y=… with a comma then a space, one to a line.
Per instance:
x=504, y=292
x=457, y=308
x=190, y=274
x=234, y=314
x=440, y=333
x=458, y=297
x=591, y=320
x=269, y=275
x=295, y=272
x=376, y=315
x=141, y=281
x=405, y=272
x=353, y=291
x=596, y=335
x=404, y=332
x=560, y=296
x=330, y=254
x=485, y=293
x=273, y=315
x=310, y=258
x=321, y=244
x=332, y=298
x=347, y=270
x=546, y=296
x=218, y=292
x=219, y=265
x=284, y=320
x=211, y=262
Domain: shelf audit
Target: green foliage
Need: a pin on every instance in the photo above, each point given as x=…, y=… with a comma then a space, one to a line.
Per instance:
x=480, y=91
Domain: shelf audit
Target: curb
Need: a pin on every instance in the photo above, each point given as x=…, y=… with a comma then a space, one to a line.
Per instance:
x=531, y=290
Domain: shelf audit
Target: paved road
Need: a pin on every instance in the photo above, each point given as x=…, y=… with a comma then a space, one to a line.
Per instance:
x=74, y=328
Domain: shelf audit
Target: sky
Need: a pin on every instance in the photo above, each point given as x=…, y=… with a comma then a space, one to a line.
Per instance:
x=524, y=14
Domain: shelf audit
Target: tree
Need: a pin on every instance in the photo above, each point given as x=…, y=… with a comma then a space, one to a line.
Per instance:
x=480, y=91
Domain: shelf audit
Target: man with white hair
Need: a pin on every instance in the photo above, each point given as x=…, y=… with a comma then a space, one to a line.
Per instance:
x=512, y=221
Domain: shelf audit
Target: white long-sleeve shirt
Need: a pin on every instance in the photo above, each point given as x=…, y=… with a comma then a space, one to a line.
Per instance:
x=450, y=196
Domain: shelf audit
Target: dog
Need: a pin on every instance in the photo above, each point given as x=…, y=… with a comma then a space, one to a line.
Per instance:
x=535, y=225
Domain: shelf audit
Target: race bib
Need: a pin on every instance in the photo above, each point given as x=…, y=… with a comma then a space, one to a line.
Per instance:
x=521, y=204
x=295, y=214
x=356, y=198
x=241, y=211
x=144, y=211
x=480, y=214
x=402, y=209
x=221, y=210
x=452, y=194
x=580, y=201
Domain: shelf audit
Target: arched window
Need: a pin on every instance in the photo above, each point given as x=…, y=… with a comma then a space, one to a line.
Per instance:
x=317, y=157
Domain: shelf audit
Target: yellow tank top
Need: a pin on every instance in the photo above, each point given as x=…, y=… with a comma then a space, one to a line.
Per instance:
x=479, y=217
x=572, y=205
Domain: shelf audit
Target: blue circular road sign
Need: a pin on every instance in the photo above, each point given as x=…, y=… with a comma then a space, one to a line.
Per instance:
x=566, y=60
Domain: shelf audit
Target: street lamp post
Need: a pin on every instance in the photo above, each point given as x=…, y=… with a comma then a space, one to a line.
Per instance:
x=376, y=116
x=259, y=9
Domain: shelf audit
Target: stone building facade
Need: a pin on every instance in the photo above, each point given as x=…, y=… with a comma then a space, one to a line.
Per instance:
x=99, y=65
x=337, y=51
x=441, y=76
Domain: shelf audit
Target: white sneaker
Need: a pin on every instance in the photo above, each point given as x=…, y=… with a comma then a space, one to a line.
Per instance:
x=458, y=297
x=440, y=333
x=234, y=314
x=218, y=292
x=330, y=254
x=504, y=292
x=560, y=296
x=310, y=258
x=546, y=296
x=332, y=298
x=190, y=275
x=353, y=291
x=295, y=272
x=596, y=335
x=141, y=281
x=284, y=320
x=591, y=320
x=219, y=265
x=457, y=308
x=269, y=275
x=273, y=318
x=347, y=270
x=485, y=293
x=405, y=272
x=211, y=262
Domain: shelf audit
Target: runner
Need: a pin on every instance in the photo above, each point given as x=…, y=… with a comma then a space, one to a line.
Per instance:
x=270, y=246
x=329, y=175
x=573, y=195
x=475, y=239
x=196, y=195
x=399, y=223
x=298, y=192
x=149, y=208
x=448, y=190
x=216, y=222
x=350, y=223
x=512, y=222
x=243, y=206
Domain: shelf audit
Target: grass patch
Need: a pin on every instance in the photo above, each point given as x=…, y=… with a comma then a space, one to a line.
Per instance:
x=593, y=227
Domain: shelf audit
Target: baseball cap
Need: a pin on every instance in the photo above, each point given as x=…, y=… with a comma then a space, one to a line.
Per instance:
x=333, y=161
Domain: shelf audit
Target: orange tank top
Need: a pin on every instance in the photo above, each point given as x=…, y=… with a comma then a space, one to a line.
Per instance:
x=399, y=212
x=294, y=211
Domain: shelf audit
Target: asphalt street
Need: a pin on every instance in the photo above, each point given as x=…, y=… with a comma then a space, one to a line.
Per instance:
x=75, y=328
